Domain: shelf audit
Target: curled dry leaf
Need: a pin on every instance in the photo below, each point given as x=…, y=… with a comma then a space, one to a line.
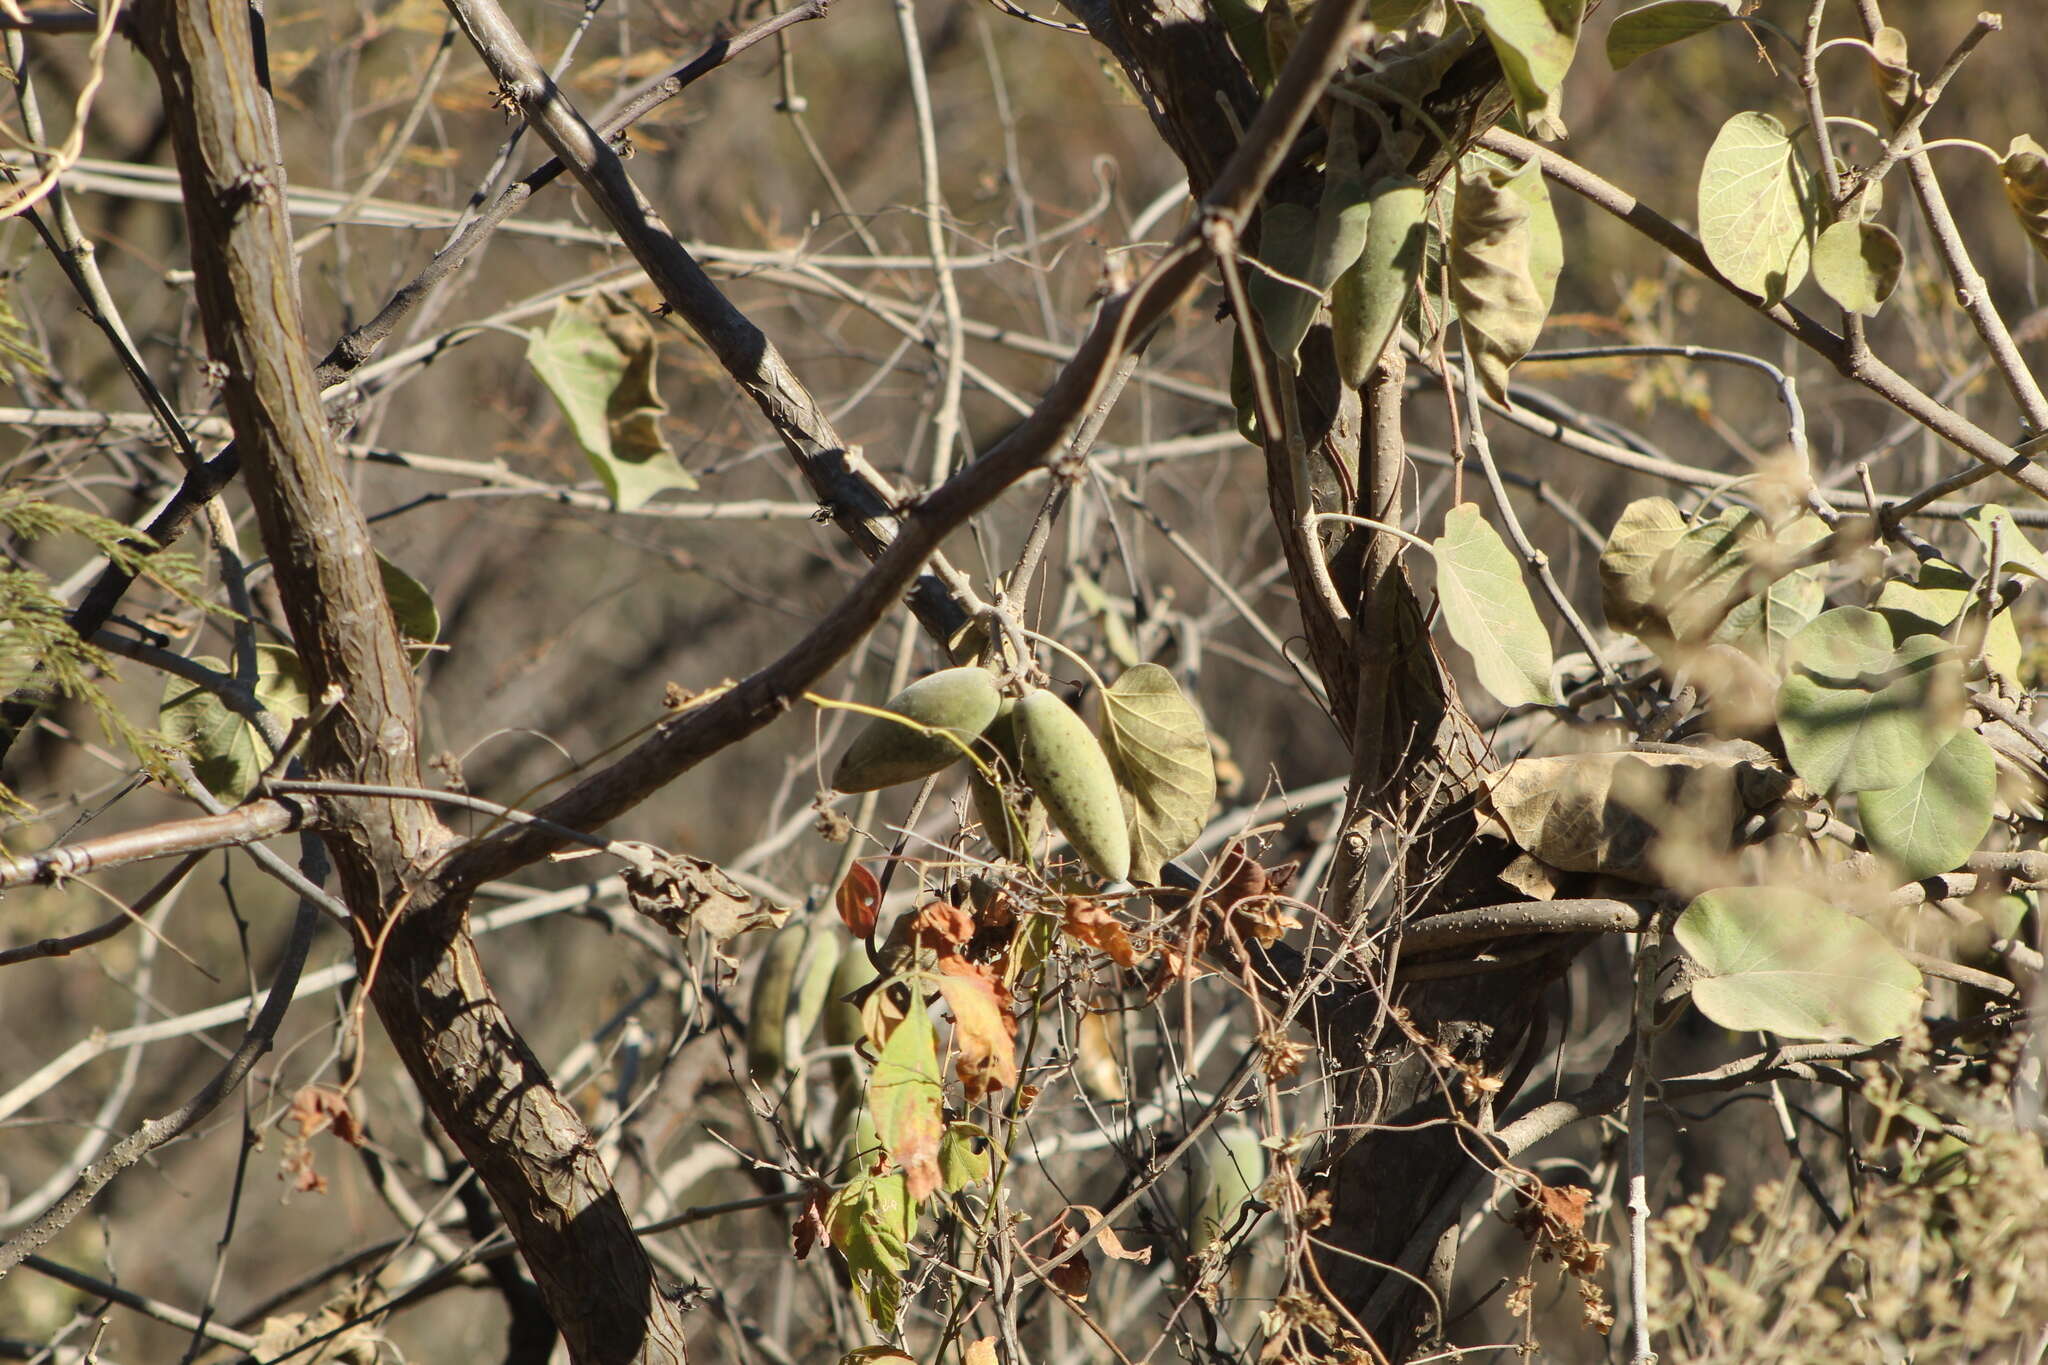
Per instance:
x=1071, y=1277
x=681, y=893
x=859, y=899
x=983, y=1034
x=1095, y=926
x=1106, y=1238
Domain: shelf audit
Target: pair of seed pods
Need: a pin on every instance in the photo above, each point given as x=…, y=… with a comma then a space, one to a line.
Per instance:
x=1040, y=736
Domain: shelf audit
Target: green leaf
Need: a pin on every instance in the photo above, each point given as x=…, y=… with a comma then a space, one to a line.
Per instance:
x=963, y=1156
x=872, y=1221
x=598, y=359
x=1754, y=207
x=1858, y=264
x=1932, y=603
x=1489, y=611
x=2024, y=169
x=1642, y=31
x=228, y=752
x=1160, y=750
x=1783, y=962
x=412, y=606
x=1285, y=305
x=905, y=1094
x=1930, y=824
x=1892, y=70
x=1646, y=529
x=1724, y=581
x=1345, y=210
x=1247, y=29
x=2015, y=551
x=1857, y=714
x=1535, y=40
x=1501, y=306
x=1369, y=298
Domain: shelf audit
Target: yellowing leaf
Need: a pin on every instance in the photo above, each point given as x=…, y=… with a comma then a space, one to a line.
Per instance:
x=1501, y=307
x=904, y=1093
x=228, y=752
x=982, y=1031
x=1160, y=750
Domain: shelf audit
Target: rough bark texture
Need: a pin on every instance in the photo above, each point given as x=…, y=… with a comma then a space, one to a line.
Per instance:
x=482, y=1082
x=1399, y=1183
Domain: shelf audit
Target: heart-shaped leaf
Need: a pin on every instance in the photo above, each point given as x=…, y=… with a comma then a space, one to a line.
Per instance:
x=1783, y=962
x=1646, y=529
x=1858, y=264
x=1489, y=611
x=2015, y=551
x=1156, y=742
x=1755, y=207
x=1930, y=604
x=1857, y=713
x=1930, y=824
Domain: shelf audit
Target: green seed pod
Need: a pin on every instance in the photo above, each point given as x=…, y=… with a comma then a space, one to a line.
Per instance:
x=1368, y=300
x=1287, y=236
x=1344, y=210
x=1065, y=765
x=961, y=701
x=813, y=983
x=842, y=1021
x=1011, y=828
x=1222, y=1176
x=768, y=1047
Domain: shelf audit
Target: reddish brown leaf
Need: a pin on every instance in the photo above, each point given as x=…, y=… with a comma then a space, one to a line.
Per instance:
x=811, y=1228
x=1093, y=925
x=943, y=926
x=860, y=901
x=1070, y=1277
x=1106, y=1238
x=317, y=1109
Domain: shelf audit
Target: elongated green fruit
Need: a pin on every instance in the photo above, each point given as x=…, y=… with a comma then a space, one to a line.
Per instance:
x=960, y=700
x=1065, y=765
x=1223, y=1175
x=1010, y=830
x=813, y=984
x=1344, y=210
x=842, y=1021
x=1244, y=395
x=768, y=1011
x=1366, y=305
x=1287, y=235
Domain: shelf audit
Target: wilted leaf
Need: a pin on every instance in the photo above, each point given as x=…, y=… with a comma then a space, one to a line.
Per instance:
x=1493, y=276
x=598, y=360
x=1535, y=40
x=1096, y=1062
x=1726, y=581
x=876, y=1355
x=1784, y=962
x=1629, y=593
x=981, y=1351
x=1111, y=613
x=1932, y=823
x=1106, y=1240
x=1858, y=264
x=228, y=752
x=1488, y=609
x=982, y=1031
x=1156, y=742
x=2025, y=172
x=1897, y=86
x=1754, y=207
x=1857, y=714
x=1642, y=31
x=1095, y=926
x=1613, y=813
x=1546, y=240
x=904, y=1094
